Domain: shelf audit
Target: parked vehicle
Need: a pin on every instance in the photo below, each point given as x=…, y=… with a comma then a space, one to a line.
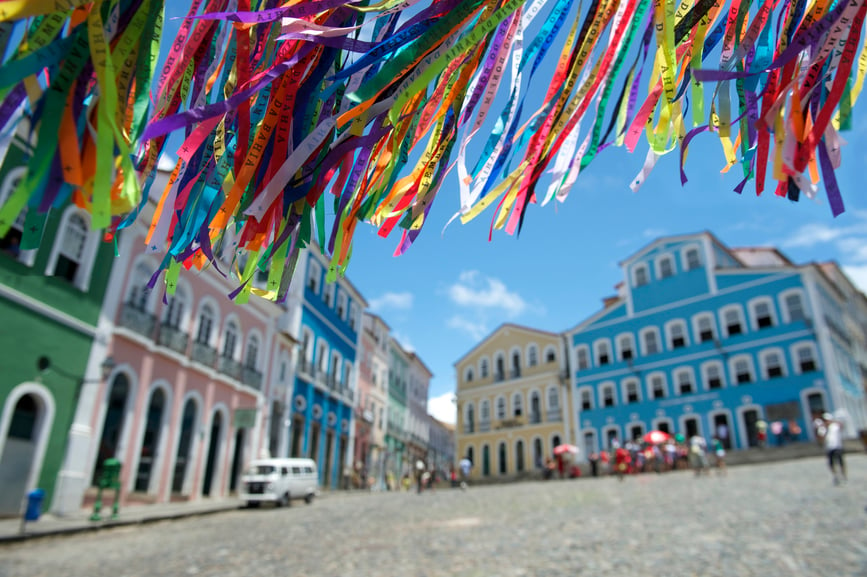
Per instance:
x=279, y=480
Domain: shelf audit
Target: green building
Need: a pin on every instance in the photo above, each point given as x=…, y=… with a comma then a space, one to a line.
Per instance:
x=396, y=431
x=50, y=301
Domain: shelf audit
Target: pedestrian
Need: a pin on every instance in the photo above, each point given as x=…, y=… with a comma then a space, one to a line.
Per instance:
x=419, y=475
x=761, y=433
x=719, y=451
x=466, y=466
x=622, y=460
x=777, y=431
x=722, y=433
x=698, y=454
x=831, y=433
x=594, y=464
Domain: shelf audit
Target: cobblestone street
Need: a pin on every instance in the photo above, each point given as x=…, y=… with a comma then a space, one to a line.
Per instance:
x=770, y=520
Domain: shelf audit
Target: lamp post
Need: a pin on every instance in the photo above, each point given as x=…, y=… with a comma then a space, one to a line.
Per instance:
x=72, y=474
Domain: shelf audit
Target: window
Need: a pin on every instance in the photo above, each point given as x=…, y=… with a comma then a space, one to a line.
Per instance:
x=678, y=335
x=230, y=340
x=501, y=407
x=743, y=371
x=651, y=341
x=762, y=314
x=206, y=322
x=713, y=376
x=626, y=345
x=553, y=398
x=347, y=373
x=138, y=290
x=632, y=391
x=692, y=259
x=657, y=387
x=640, y=272
x=684, y=382
x=550, y=355
x=805, y=358
x=586, y=400
x=341, y=305
x=732, y=322
x=666, y=267
x=603, y=355
x=353, y=316
x=773, y=363
x=69, y=263
x=705, y=328
x=517, y=405
x=532, y=356
x=583, y=358
x=608, y=396
x=252, y=357
x=11, y=242
x=328, y=295
x=483, y=369
x=313, y=273
x=795, y=307
x=468, y=376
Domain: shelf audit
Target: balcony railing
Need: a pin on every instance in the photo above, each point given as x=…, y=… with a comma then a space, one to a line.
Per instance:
x=469, y=428
x=251, y=377
x=535, y=418
x=499, y=377
x=137, y=320
x=554, y=415
x=307, y=368
x=204, y=354
x=511, y=422
x=229, y=367
x=484, y=426
x=515, y=374
x=173, y=338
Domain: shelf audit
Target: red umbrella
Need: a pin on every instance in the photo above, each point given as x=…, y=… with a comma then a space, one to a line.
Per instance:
x=656, y=437
x=563, y=449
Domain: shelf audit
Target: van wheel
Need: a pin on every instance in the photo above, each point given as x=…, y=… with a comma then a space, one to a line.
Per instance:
x=309, y=498
x=283, y=501
x=252, y=504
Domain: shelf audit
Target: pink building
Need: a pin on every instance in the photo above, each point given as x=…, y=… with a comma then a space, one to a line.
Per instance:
x=372, y=398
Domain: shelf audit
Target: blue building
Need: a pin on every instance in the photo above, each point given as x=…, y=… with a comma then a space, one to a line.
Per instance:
x=326, y=317
x=703, y=338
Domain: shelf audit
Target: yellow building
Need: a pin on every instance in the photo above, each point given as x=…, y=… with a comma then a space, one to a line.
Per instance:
x=513, y=401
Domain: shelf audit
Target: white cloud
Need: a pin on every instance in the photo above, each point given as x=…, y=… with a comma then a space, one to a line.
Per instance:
x=653, y=232
x=443, y=408
x=478, y=291
x=477, y=330
x=858, y=276
x=399, y=301
x=813, y=234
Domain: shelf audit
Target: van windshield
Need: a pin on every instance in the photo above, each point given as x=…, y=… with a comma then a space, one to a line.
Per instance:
x=261, y=470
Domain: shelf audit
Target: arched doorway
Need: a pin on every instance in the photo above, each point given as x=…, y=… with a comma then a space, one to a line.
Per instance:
x=502, y=458
x=19, y=453
x=112, y=426
x=237, y=460
x=519, y=456
x=555, y=441
x=535, y=408
x=471, y=456
x=185, y=443
x=213, y=446
x=486, y=461
x=538, y=453
x=151, y=441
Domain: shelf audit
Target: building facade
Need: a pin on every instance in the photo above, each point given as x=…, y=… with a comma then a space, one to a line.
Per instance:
x=704, y=339
x=441, y=448
x=50, y=300
x=396, y=433
x=326, y=316
x=372, y=400
x=512, y=401
x=418, y=421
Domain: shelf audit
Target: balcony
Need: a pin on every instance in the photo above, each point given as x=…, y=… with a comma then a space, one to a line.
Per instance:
x=251, y=377
x=554, y=415
x=535, y=418
x=173, y=338
x=137, y=320
x=511, y=423
x=229, y=367
x=469, y=428
x=307, y=368
x=499, y=377
x=515, y=374
x=204, y=354
x=484, y=426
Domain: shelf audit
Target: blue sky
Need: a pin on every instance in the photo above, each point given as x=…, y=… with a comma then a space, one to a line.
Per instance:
x=453, y=288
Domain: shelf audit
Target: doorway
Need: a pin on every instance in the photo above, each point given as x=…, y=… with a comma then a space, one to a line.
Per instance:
x=341, y=452
x=314, y=442
x=502, y=458
x=237, y=460
x=213, y=446
x=151, y=442
x=329, y=449
x=519, y=456
x=19, y=453
x=182, y=459
x=589, y=443
x=113, y=424
x=664, y=427
x=690, y=426
x=751, y=417
x=297, y=435
x=538, y=455
x=486, y=461
x=722, y=428
x=636, y=432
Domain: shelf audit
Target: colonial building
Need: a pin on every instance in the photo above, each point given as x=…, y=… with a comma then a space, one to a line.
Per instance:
x=512, y=401
x=705, y=339
x=418, y=421
x=327, y=318
x=441, y=448
x=372, y=399
x=396, y=433
x=50, y=299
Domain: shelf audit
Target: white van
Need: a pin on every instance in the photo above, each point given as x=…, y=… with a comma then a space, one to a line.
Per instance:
x=279, y=480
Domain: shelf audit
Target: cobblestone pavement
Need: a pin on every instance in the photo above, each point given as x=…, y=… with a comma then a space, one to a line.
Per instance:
x=783, y=519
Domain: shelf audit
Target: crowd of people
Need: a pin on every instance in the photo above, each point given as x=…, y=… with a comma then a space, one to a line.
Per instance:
x=674, y=453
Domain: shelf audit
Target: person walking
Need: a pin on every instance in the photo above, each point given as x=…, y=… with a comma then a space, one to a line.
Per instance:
x=831, y=433
x=698, y=454
x=466, y=466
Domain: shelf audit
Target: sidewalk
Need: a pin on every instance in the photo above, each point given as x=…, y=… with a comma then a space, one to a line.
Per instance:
x=50, y=525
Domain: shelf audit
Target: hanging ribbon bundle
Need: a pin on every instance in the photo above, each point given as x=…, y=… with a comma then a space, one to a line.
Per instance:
x=302, y=116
